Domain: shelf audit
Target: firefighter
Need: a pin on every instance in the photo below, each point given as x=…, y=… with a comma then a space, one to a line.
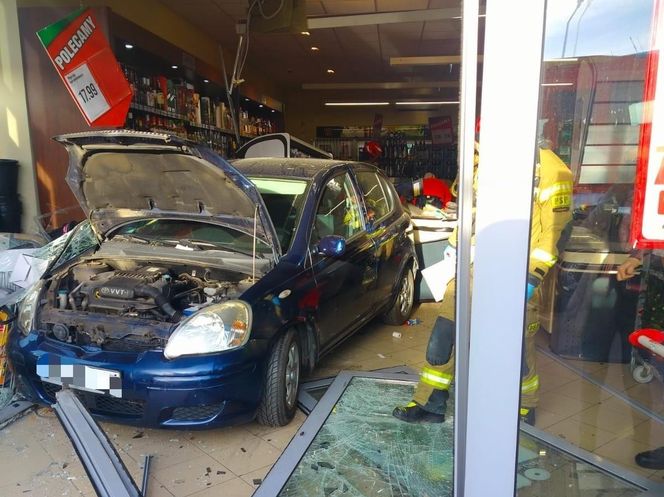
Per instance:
x=552, y=211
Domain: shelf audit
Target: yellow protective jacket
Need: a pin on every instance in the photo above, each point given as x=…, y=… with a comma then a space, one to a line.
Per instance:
x=552, y=211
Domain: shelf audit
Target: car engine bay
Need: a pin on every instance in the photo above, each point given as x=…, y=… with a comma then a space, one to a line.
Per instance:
x=129, y=305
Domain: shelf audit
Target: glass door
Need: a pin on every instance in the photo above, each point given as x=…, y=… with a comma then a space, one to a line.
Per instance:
x=557, y=292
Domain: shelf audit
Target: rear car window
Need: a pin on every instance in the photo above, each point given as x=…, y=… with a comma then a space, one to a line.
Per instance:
x=376, y=194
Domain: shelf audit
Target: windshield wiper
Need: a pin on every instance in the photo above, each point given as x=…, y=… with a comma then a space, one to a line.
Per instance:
x=193, y=244
x=133, y=238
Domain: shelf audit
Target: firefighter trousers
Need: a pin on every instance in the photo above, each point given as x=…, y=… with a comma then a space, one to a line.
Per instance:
x=438, y=373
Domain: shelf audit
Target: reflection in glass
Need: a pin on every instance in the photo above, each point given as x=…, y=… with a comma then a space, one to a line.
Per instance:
x=592, y=115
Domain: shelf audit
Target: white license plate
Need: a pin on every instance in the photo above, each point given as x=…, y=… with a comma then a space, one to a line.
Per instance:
x=83, y=377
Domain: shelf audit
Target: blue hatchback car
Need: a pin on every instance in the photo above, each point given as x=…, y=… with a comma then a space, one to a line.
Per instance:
x=199, y=291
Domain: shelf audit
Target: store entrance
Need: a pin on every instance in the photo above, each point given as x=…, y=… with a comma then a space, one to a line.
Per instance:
x=342, y=82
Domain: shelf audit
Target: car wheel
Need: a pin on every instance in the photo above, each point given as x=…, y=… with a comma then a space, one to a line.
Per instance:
x=403, y=304
x=282, y=379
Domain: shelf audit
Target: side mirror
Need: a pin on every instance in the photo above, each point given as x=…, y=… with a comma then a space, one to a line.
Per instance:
x=332, y=245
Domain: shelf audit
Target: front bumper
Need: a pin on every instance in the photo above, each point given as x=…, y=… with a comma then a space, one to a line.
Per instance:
x=189, y=392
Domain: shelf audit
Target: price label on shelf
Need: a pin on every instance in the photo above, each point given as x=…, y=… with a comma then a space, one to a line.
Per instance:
x=89, y=96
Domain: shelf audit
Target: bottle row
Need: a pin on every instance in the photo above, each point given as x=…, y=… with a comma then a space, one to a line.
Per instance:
x=220, y=141
x=179, y=100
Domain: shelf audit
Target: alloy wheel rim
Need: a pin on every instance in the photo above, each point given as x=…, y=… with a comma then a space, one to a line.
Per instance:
x=292, y=374
x=405, y=295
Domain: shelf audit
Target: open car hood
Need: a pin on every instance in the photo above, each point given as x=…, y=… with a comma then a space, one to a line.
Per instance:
x=119, y=176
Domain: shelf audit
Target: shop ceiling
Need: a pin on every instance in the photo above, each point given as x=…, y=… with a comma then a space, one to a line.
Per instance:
x=368, y=53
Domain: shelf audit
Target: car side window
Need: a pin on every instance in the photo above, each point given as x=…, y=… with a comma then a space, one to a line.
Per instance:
x=338, y=211
x=390, y=193
x=376, y=198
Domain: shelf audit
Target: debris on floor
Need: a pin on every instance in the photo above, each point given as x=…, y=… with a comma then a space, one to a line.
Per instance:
x=14, y=410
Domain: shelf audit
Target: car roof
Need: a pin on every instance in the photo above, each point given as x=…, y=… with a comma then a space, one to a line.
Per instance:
x=303, y=168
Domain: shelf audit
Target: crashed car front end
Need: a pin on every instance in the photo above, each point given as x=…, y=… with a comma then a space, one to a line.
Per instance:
x=155, y=343
x=151, y=327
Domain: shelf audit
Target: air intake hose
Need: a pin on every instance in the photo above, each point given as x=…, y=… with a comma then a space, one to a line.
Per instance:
x=155, y=294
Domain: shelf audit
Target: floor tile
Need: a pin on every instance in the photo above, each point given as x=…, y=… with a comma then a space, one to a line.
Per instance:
x=616, y=422
x=615, y=375
x=562, y=405
x=649, y=395
x=23, y=457
x=622, y=451
x=658, y=476
x=192, y=476
x=583, y=390
x=167, y=447
x=620, y=406
x=550, y=381
x=239, y=450
x=236, y=487
x=545, y=418
x=44, y=487
x=255, y=478
x=582, y=435
x=156, y=488
x=281, y=437
x=558, y=370
x=649, y=432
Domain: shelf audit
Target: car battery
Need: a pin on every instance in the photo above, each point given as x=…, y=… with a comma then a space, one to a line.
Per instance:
x=430, y=238
x=588, y=312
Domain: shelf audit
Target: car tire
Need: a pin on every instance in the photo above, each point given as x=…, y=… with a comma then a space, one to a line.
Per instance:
x=282, y=378
x=403, y=304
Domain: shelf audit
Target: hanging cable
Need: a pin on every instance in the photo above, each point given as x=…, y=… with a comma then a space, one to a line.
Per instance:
x=241, y=55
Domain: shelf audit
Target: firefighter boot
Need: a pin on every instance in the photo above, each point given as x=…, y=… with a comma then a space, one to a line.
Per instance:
x=527, y=415
x=414, y=413
x=651, y=459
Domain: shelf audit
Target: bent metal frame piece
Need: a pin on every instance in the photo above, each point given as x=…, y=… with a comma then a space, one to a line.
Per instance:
x=107, y=473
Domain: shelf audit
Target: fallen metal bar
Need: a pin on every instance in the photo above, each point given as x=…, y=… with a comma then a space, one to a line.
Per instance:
x=146, y=468
x=107, y=473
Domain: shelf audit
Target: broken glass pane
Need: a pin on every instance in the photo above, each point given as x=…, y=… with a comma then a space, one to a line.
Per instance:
x=361, y=450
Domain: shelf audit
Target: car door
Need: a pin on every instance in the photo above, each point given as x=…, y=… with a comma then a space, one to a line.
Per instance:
x=386, y=226
x=345, y=282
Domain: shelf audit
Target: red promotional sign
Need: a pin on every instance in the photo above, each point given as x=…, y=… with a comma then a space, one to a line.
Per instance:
x=647, y=230
x=83, y=58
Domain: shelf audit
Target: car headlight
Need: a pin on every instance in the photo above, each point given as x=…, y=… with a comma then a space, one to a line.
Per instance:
x=217, y=327
x=27, y=307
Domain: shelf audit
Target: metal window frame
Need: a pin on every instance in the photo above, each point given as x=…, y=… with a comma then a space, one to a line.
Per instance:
x=510, y=98
x=290, y=458
x=106, y=471
x=307, y=402
x=287, y=462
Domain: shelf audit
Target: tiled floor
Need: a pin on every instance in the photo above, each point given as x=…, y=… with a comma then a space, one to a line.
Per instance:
x=231, y=462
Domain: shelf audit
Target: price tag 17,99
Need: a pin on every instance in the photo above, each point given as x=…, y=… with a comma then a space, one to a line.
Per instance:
x=85, y=89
